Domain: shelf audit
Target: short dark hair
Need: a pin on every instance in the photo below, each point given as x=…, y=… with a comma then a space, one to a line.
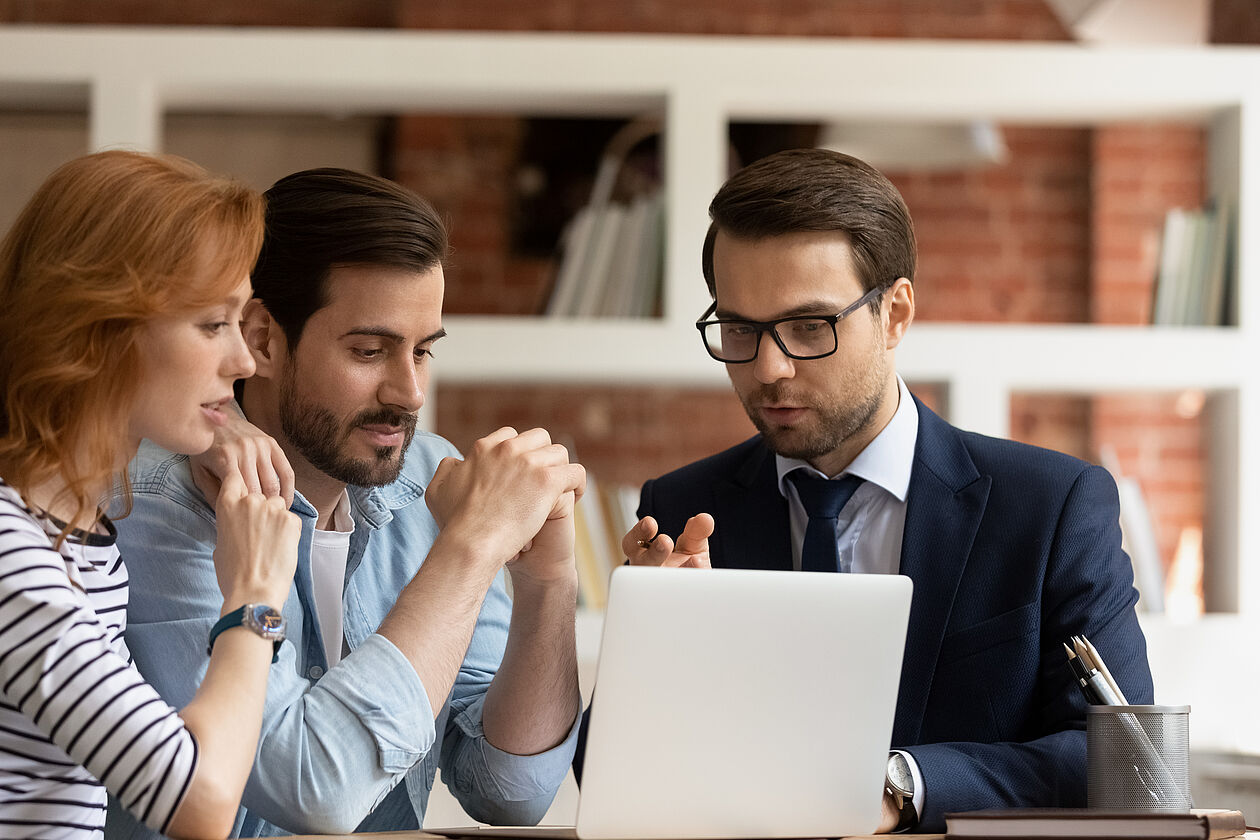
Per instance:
x=319, y=219
x=817, y=190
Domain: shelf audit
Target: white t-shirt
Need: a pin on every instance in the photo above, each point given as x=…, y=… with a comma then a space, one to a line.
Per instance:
x=74, y=712
x=329, y=553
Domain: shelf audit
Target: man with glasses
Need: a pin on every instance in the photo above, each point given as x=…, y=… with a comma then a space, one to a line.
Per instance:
x=810, y=259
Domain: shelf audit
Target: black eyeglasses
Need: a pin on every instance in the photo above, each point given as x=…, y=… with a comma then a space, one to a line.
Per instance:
x=799, y=337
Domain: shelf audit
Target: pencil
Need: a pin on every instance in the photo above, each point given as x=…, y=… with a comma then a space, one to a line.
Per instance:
x=1102, y=669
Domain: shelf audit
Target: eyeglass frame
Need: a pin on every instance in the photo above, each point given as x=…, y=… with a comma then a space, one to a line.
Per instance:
x=763, y=327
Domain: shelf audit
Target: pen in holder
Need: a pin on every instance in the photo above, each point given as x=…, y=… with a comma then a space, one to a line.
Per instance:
x=1139, y=757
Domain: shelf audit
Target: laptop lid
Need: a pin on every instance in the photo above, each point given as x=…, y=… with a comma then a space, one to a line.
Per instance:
x=740, y=703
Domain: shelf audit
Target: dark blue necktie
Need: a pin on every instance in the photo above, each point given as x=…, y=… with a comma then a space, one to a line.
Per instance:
x=823, y=499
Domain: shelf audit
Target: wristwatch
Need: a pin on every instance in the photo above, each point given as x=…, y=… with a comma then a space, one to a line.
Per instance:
x=899, y=784
x=258, y=618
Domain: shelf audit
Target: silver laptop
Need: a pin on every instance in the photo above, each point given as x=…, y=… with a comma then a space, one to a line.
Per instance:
x=739, y=704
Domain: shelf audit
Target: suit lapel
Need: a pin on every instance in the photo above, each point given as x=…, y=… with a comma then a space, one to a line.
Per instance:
x=753, y=516
x=944, y=507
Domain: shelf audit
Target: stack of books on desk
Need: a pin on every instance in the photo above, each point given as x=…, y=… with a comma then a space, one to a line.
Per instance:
x=1093, y=824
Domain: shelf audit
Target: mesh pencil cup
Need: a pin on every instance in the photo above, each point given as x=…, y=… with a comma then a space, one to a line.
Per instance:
x=1139, y=757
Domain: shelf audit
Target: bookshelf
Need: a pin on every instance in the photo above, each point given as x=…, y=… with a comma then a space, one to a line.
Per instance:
x=128, y=80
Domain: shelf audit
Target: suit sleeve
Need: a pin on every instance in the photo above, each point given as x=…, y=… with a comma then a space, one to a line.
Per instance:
x=1088, y=588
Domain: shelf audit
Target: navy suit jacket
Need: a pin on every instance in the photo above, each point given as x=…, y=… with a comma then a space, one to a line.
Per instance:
x=1012, y=550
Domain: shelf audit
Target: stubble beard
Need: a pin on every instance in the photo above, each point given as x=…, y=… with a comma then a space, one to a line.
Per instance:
x=320, y=438
x=833, y=424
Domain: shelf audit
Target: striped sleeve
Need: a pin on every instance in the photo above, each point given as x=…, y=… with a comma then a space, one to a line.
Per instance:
x=60, y=667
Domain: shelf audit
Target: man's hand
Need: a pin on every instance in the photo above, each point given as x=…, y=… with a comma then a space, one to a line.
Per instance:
x=503, y=493
x=549, y=555
x=889, y=816
x=691, y=550
x=243, y=448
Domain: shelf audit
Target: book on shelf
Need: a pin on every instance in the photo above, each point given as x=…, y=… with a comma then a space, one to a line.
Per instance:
x=1192, y=281
x=610, y=252
x=574, y=244
x=1137, y=534
x=610, y=262
x=1096, y=824
x=587, y=556
x=601, y=518
x=650, y=267
x=620, y=286
x=1168, y=273
x=1219, y=267
x=600, y=259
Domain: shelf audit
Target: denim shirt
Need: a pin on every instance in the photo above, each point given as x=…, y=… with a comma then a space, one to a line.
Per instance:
x=335, y=741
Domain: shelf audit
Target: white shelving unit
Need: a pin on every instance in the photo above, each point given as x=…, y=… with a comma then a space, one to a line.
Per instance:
x=128, y=79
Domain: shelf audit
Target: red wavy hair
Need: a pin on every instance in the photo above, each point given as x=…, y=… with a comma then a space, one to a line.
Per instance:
x=107, y=243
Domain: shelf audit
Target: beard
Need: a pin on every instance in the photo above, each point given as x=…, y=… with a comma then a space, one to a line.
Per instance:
x=320, y=438
x=832, y=423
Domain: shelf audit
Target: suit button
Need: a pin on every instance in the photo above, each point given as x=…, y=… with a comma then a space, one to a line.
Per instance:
x=316, y=672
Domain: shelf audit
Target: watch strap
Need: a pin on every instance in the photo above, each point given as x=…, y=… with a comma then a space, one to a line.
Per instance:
x=907, y=818
x=236, y=618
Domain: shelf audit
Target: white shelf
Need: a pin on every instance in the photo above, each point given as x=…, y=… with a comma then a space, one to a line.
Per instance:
x=129, y=78
x=1077, y=358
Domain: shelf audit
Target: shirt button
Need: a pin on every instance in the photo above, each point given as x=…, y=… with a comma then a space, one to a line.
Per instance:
x=316, y=672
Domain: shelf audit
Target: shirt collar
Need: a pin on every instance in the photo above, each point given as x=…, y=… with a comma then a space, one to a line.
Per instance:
x=886, y=461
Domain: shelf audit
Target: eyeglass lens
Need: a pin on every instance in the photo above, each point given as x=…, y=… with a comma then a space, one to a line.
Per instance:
x=801, y=337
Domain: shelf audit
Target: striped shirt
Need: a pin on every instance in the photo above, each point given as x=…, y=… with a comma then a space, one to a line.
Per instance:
x=74, y=712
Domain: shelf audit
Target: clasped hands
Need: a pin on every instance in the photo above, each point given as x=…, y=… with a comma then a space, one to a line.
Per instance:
x=513, y=496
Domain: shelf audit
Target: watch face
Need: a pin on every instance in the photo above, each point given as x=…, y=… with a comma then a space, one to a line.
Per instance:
x=267, y=621
x=899, y=773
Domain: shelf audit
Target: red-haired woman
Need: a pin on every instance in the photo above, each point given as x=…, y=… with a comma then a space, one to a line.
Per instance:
x=121, y=287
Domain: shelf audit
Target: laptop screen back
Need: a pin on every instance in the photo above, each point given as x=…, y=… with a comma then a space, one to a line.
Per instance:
x=738, y=703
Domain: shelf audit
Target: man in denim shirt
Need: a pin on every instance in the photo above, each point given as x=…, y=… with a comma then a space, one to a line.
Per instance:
x=398, y=656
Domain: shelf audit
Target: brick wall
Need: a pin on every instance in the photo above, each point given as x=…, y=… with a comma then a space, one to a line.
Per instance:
x=622, y=435
x=1066, y=232
x=1139, y=173
x=1234, y=22
x=1159, y=439
x=467, y=166
x=985, y=19
x=1004, y=19
x=374, y=13
x=1009, y=242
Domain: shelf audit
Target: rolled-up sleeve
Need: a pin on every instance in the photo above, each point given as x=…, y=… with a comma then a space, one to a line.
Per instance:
x=494, y=786
x=329, y=753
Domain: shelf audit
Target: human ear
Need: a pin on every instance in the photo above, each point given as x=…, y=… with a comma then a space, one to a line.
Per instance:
x=264, y=338
x=900, y=312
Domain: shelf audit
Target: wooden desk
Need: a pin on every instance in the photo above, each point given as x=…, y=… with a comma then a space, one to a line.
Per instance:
x=424, y=835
